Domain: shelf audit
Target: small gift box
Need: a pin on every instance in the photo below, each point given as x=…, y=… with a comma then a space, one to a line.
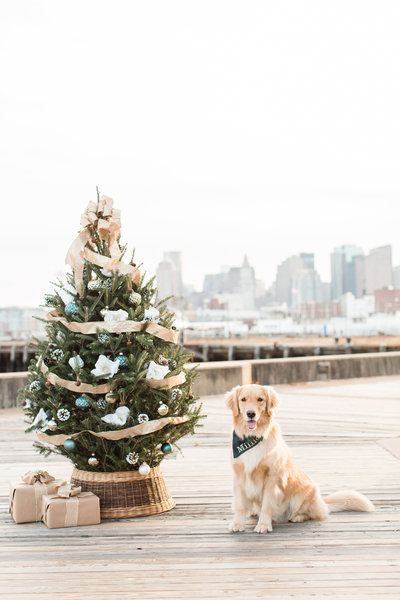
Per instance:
x=26, y=495
x=70, y=507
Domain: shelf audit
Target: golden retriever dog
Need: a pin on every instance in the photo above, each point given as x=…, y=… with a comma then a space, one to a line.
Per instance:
x=267, y=481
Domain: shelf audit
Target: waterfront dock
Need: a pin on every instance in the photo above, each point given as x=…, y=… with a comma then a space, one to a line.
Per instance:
x=343, y=433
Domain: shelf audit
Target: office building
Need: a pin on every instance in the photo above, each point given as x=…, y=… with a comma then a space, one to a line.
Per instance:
x=343, y=270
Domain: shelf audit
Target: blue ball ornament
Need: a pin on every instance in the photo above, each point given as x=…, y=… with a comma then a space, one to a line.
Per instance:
x=69, y=445
x=82, y=403
x=71, y=309
x=123, y=361
x=166, y=448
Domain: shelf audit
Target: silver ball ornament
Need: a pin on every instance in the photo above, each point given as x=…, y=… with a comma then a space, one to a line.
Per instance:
x=93, y=461
x=135, y=298
x=110, y=398
x=52, y=425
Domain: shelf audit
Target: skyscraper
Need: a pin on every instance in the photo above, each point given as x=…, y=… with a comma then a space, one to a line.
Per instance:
x=297, y=281
x=374, y=271
x=378, y=269
x=169, y=276
x=396, y=277
x=236, y=286
x=176, y=258
x=343, y=270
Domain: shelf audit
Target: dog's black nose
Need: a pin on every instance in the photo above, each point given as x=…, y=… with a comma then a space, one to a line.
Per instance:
x=250, y=414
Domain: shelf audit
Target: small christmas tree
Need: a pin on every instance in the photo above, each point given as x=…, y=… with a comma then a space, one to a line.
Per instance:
x=108, y=387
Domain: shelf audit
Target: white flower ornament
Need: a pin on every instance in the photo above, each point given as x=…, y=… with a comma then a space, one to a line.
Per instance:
x=76, y=362
x=115, y=315
x=105, y=368
x=118, y=418
x=151, y=314
x=156, y=371
x=67, y=293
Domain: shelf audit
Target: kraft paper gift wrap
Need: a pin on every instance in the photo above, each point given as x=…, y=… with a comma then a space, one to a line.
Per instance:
x=26, y=495
x=80, y=509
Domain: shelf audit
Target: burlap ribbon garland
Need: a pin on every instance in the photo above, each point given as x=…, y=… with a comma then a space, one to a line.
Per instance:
x=107, y=222
x=105, y=388
x=73, y=386
x=112, y=264
x=136, y=430
x=169, y=382
x=115, y=327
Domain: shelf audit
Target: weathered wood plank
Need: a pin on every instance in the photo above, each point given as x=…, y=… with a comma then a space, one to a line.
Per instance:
x=333, y=430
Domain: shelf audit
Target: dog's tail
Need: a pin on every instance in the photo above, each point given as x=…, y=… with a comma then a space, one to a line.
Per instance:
x=348, y=500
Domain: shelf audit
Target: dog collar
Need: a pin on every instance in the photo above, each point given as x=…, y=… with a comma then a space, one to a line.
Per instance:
x=241, y=445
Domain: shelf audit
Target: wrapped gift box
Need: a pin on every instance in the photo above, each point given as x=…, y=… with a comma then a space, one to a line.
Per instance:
x=26, y=495
x=78, y=509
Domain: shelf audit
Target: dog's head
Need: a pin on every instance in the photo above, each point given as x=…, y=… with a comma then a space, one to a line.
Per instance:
x=252, y=407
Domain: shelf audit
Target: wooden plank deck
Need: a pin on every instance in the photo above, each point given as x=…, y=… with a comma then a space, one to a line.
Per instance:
x=337, y=432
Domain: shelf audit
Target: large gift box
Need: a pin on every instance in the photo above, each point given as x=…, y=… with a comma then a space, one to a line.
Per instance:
x=70, y=507
x=26, y=495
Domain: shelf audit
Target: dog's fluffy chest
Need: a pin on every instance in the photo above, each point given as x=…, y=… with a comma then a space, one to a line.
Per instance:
x=251, y=460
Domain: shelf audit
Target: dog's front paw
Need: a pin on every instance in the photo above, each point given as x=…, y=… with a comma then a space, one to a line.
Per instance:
x=263, y=527
x=236, y=526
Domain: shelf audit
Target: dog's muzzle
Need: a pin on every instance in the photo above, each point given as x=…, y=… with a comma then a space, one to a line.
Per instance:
x=250, y=420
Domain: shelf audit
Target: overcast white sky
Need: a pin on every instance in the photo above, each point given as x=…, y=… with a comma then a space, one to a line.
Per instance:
x=218, y=127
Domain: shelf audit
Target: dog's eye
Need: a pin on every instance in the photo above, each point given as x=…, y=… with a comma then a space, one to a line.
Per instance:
x=260, y=400
x=243, y=399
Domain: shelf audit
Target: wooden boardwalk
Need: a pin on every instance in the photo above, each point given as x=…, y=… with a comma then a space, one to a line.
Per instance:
x=339, y=432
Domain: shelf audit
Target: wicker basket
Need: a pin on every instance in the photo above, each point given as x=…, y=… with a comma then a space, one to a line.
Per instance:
x=126, y=493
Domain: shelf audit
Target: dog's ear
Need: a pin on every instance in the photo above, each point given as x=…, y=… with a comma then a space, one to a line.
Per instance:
x=273, y=398
x=231, y=400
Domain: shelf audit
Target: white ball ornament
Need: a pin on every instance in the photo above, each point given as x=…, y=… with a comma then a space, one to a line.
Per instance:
x=143, y=418
x=144, y=469
x=52, y=425
x=162, y=410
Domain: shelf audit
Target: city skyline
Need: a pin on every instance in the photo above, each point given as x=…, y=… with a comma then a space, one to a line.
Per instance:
x=167, y=255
